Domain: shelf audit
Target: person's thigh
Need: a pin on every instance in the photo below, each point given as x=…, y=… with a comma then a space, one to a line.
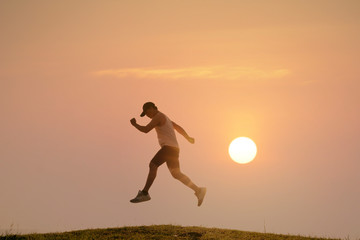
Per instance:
x=172, y=159
x=159, y=158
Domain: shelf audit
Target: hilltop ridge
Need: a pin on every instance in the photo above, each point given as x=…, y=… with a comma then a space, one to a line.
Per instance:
x=160, y=232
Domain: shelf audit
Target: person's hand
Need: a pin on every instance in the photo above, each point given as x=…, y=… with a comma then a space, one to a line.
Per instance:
x=133, y=121
x=191, y=140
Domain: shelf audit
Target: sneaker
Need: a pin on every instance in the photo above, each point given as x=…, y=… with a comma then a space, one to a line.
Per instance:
x=200, y=195
x=141, y=197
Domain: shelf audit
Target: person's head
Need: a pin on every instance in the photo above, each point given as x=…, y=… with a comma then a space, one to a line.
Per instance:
x=149, y=109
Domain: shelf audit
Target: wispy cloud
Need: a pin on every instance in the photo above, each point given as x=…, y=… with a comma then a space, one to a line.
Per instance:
x=211, y=72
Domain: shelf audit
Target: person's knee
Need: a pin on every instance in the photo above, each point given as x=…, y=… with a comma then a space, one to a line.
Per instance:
x=176, y=174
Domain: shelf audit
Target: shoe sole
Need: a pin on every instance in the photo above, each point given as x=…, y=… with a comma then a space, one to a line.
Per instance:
x=139, y=201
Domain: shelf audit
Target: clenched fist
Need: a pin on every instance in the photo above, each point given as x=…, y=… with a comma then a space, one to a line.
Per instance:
x=191, y=140
x=133, y=121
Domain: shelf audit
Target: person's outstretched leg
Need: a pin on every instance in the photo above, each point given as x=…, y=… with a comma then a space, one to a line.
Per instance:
x=199, y=191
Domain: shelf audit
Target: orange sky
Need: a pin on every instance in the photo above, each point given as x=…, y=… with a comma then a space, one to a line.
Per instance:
x=284, y=73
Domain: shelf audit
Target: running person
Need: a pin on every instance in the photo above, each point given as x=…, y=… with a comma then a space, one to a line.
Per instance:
x=168, y=153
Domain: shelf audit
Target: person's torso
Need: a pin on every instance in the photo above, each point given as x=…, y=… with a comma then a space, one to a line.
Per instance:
x=166, y=133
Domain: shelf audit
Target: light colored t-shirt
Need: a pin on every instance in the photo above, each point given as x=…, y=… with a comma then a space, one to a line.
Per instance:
x=166, y=133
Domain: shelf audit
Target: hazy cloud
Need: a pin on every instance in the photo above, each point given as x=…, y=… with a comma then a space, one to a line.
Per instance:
x=214, y=72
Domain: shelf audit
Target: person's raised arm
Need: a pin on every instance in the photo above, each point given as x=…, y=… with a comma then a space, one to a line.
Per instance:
x=145, y=129
x=180, y=130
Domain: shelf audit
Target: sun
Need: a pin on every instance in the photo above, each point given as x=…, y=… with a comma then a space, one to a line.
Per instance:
x=242, y=150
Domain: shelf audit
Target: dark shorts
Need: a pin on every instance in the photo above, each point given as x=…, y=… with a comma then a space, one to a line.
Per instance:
x=167, y=154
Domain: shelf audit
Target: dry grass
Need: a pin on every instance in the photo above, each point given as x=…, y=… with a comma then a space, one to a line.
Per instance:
x=161, y=232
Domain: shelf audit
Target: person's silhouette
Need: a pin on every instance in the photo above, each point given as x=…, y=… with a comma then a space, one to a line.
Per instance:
x=168, y=153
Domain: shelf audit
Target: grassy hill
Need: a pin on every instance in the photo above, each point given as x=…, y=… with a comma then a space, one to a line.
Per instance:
x=156, y=232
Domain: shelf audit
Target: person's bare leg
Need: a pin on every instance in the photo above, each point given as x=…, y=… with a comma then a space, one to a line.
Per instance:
x=177, y=174
x=151, y=177
x=199, y=192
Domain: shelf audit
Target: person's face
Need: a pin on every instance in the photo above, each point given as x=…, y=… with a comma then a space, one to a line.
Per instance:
x=150, y=113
